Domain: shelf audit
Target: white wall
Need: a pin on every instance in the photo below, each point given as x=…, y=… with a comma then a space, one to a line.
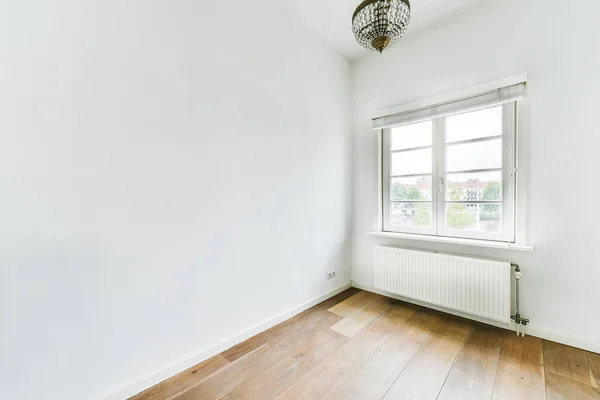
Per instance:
x=166, y=181
x=558, y=45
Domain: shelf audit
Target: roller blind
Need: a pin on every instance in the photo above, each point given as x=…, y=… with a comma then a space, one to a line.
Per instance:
x=494, y=97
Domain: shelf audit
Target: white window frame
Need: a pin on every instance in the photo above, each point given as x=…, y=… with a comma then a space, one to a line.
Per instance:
x=438, y=173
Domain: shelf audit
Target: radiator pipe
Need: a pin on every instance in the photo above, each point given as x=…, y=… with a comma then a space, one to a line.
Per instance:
x=517, y=317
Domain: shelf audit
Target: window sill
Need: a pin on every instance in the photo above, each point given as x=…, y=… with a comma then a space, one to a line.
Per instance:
x=451, y=240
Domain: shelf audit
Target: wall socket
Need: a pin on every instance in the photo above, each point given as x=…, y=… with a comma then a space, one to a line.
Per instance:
x=331, y=275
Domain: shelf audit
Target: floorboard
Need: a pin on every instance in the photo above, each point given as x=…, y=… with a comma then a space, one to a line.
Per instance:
x=566, y=361
x=472, y=375
x=323, y=380
x=284, y=373
x=362, y=317
x=520, y=372
x=374, y=378
x=353, y=304
x=425, y=374
x=337, y=299
x=594, y=361
x=184, y=381
x=560, y=388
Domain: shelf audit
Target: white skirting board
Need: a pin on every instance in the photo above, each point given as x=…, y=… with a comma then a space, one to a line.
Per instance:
x=181, y=365
x=530, y=329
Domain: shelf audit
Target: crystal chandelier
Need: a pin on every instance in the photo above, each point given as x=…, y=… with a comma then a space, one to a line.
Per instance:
x=378, y=24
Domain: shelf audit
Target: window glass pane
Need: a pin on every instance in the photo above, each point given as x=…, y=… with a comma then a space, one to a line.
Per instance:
x=474, y=186
x=474, y=217
x=409, y=136
x=469, y=156
x=411, y=162
x=411, y=188
x=476, y=124
x=411, y=215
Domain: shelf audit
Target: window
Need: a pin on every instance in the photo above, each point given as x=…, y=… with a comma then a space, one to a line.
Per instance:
x=452, y=175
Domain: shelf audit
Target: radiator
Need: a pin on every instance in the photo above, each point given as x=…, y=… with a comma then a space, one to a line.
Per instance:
x=474, y=286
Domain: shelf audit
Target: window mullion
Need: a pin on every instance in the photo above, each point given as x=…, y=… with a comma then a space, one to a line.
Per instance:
x=385, y=171
x=440, y=171
x=434, y=180
x=508, y=173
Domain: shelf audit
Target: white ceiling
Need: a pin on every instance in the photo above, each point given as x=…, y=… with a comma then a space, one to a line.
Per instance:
x=331, y=19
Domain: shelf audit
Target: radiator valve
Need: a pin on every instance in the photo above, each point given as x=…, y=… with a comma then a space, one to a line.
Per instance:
x=518, y=275
x=517, y=317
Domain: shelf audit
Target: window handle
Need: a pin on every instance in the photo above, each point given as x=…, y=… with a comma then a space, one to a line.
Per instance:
x=440, y=185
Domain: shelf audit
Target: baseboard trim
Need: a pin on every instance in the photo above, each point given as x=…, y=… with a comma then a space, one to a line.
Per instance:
x=531, y=329
x=181, y=365
x=558, y=337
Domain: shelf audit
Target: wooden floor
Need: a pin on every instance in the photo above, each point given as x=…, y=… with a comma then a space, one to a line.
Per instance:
x=359, y=345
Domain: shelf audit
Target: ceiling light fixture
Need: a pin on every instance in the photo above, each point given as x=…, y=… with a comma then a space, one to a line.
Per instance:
x=378, y=24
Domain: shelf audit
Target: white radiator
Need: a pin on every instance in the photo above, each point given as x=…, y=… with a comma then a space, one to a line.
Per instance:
x=473, y=286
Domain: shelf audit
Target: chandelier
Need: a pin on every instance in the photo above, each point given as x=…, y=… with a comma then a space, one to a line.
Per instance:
x=378, y=24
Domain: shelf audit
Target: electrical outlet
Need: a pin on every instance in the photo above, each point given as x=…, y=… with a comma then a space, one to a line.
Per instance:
x=331, y=275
